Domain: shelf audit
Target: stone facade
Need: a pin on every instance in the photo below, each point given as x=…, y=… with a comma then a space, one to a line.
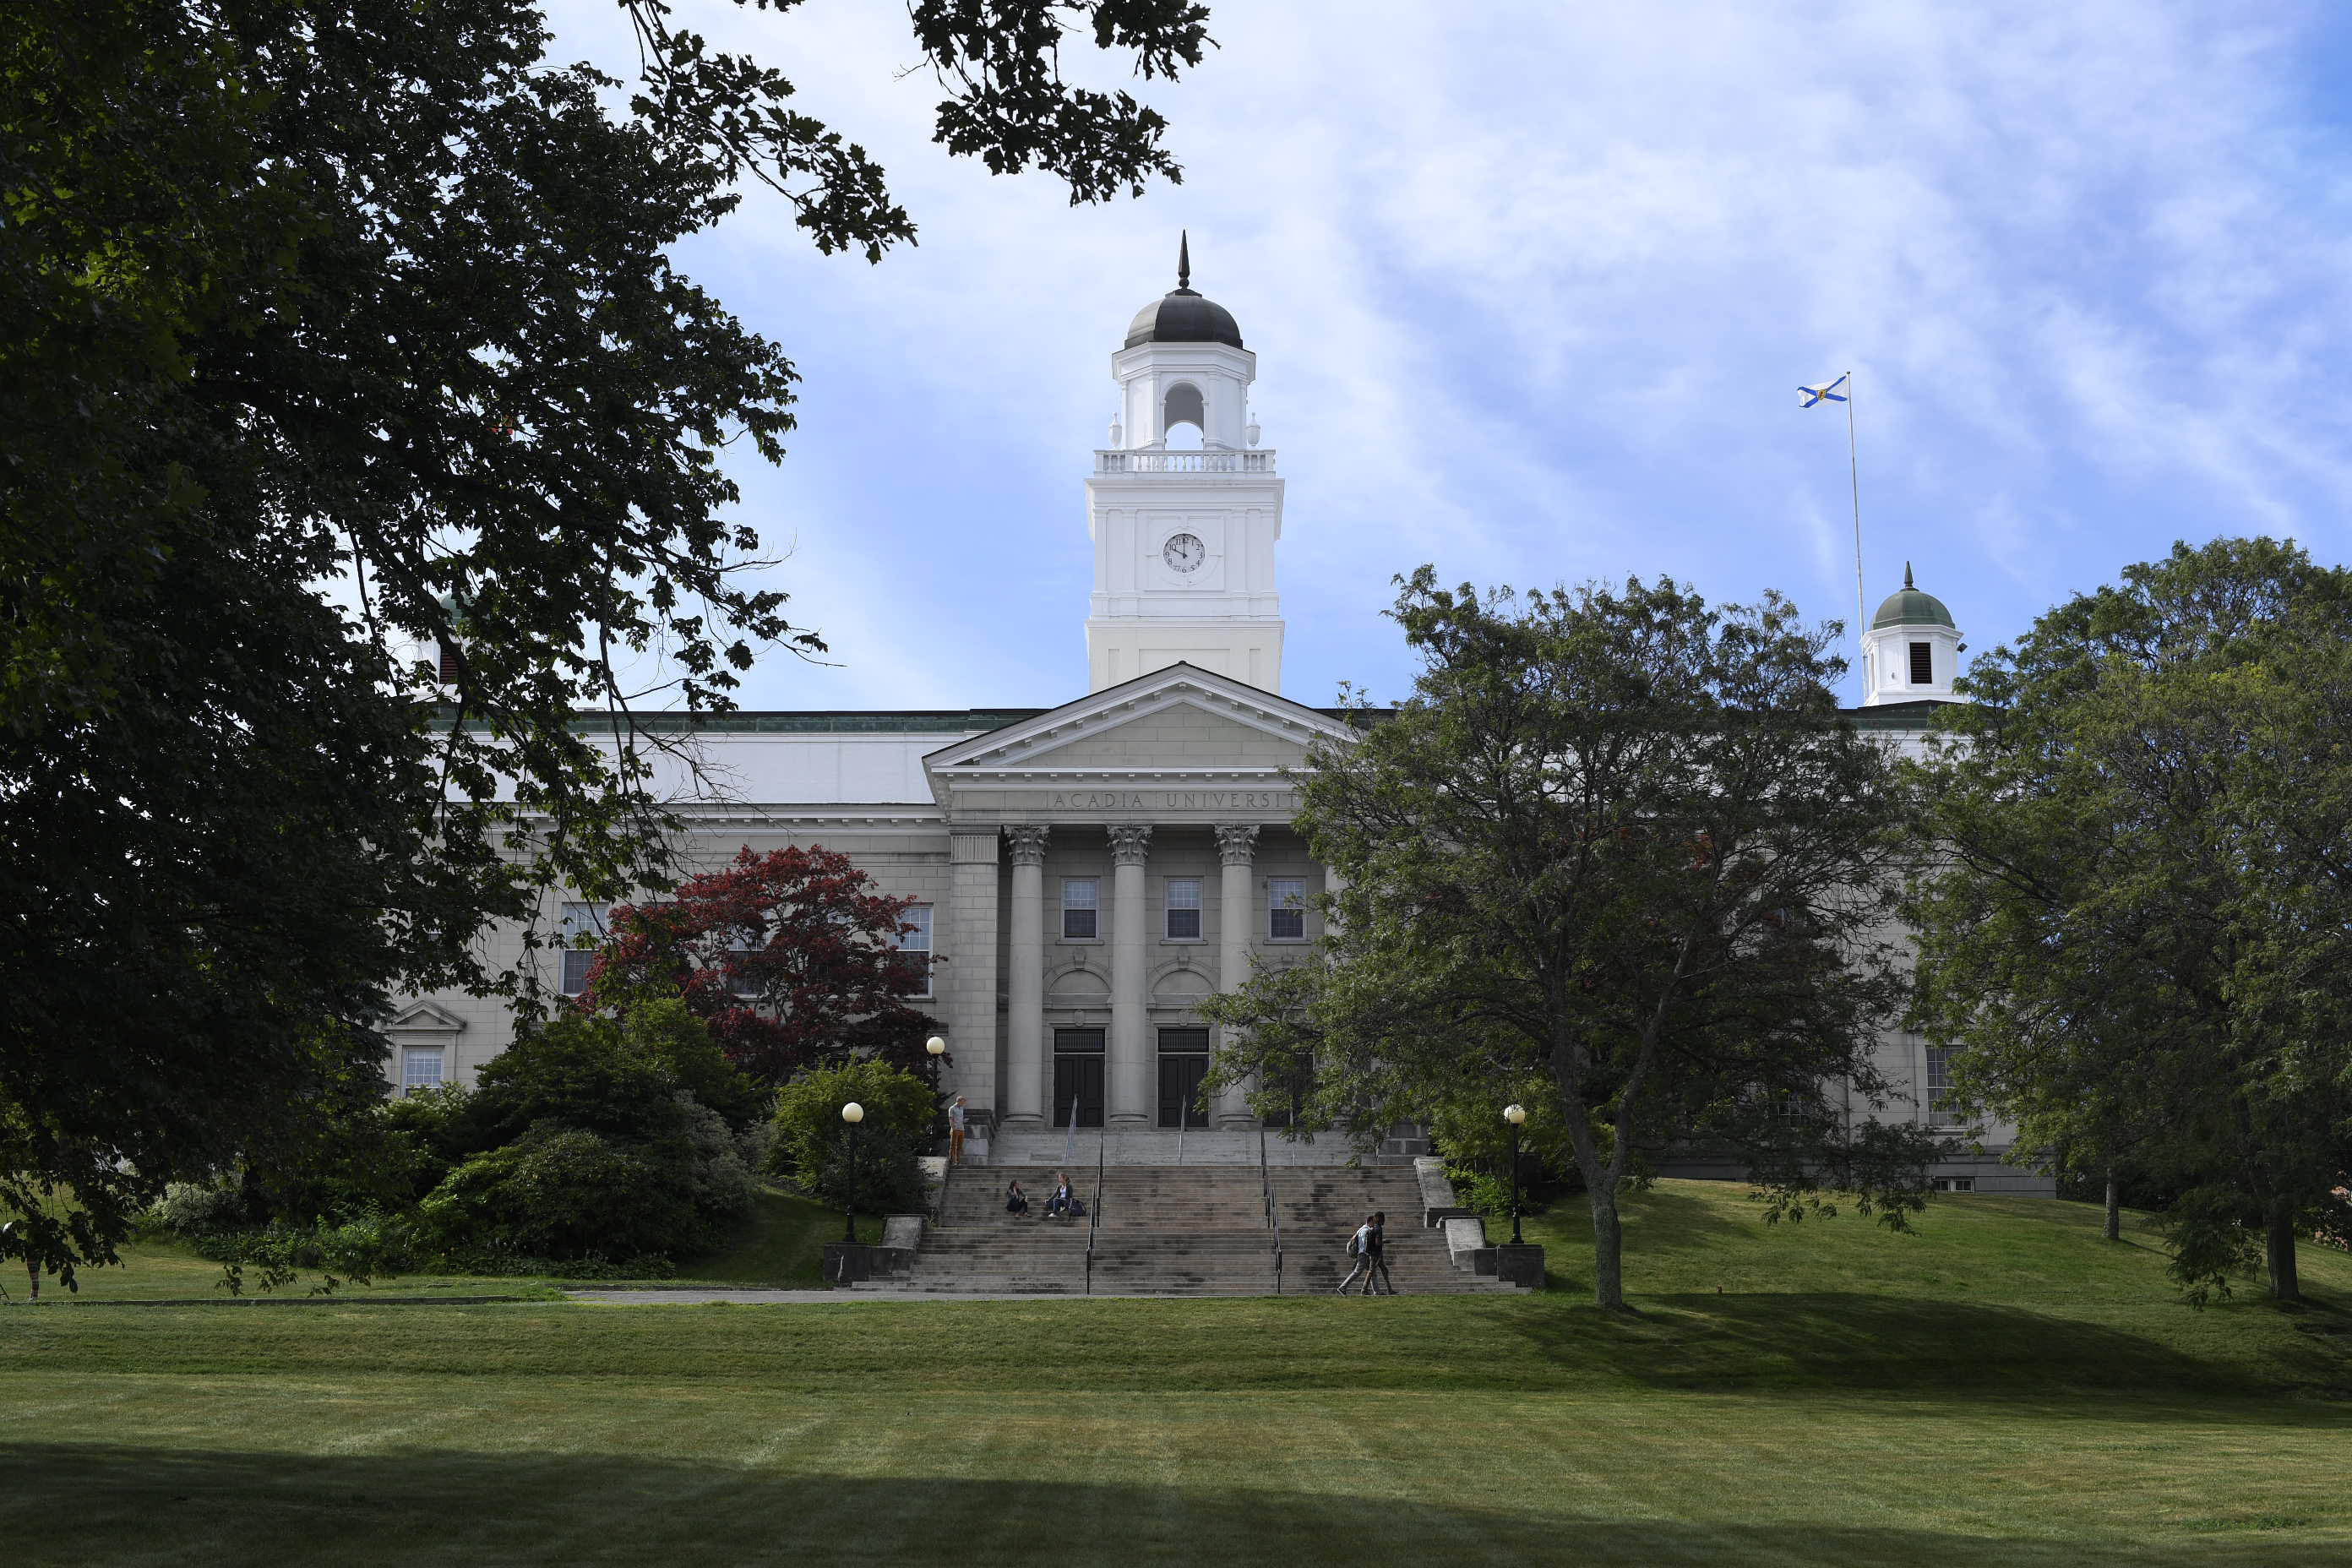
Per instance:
x=1089, y=873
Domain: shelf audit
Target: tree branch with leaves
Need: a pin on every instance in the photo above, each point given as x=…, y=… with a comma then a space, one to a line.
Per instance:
x=1623, y=842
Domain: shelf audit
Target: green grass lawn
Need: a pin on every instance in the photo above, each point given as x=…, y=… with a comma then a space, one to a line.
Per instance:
x=2001, y=1388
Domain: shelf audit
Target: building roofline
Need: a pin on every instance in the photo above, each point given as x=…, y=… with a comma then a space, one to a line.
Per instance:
x=800, y=722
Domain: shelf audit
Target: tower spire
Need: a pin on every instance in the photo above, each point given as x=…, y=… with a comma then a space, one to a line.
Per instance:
x=1906, y=574
x=1184, y=259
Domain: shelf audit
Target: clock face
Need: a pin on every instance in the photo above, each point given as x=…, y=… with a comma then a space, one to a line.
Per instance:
x=1183, y=553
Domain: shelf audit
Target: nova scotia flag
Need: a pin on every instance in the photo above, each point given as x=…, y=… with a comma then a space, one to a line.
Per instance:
x=1830, y=393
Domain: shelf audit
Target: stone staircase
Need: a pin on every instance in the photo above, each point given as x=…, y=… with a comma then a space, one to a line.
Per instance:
x=1017, y=1147
x=1177, y=1230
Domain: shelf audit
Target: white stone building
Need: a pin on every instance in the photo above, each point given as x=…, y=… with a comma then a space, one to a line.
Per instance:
x=1084, y=874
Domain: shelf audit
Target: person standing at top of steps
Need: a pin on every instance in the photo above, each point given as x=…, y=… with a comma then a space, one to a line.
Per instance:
x=955, y=1132
x=1359, y=1248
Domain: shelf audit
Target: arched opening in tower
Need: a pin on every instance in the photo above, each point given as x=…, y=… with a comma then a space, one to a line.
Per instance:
x=1184, y=419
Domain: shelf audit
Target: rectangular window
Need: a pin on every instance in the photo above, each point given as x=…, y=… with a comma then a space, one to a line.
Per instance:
x=583, y=933
x=1955, y=1184
x=1286, y=907
x=1923, y=665
x=917, y=943
x=1184, y=908
x=420, y=1068
x=742, y=979
x=1941, y=1110
x=1081, y=906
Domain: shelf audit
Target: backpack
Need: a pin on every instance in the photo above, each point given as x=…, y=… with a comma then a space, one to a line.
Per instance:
x=1353, y=1250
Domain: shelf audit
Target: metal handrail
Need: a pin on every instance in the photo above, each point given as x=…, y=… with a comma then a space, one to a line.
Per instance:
x=1273, y=1214
x=1094, y=1215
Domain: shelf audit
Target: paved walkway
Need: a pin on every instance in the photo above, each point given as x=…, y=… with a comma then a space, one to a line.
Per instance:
x=807, y=1297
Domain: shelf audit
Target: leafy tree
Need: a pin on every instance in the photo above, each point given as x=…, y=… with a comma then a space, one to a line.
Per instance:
x=369, y=293
x=791, y=958
x=813, y=1142
x=666, y=1032
x=1624, y=843
x=2141, y=935
x=568, y=1115
x=577, y=1071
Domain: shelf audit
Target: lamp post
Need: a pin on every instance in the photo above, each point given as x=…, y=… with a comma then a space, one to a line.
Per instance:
x=938, y=1047
x=1515, y=1114
x=853, y=1113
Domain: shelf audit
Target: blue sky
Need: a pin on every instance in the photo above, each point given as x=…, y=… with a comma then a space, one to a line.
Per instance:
x=1532, y=287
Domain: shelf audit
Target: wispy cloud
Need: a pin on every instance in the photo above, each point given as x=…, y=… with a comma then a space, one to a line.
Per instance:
x=1532, y=287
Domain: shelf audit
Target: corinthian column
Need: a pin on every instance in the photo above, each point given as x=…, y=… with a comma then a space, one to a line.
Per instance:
x=1025, y=1066
x=1130, y=1050
x=1237, y=924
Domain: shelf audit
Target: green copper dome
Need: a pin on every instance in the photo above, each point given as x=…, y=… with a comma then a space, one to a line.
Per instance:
x=1912, y=608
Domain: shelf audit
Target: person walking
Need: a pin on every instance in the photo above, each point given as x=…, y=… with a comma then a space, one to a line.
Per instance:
x=1379, y=1255
x=1359, y=1248
x=955, y=1132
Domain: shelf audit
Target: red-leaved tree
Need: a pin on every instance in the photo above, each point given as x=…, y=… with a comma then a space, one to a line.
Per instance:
x=791, y=958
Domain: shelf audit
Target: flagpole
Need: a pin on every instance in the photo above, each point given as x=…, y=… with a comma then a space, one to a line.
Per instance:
x=1853, y=469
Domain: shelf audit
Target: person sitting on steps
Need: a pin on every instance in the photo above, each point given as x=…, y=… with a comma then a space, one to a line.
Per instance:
x=1015, y=1200
x=1059, y=1202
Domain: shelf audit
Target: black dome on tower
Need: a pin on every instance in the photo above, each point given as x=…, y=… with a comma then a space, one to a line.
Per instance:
x=1182, y=316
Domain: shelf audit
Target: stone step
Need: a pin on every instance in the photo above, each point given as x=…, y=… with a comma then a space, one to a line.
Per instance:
x=1165, y=1229
x=1208, y=1147
x=1133, y=1196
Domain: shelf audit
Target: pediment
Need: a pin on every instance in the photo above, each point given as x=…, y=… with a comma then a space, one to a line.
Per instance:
x=1180, y=720
x=424, y=1018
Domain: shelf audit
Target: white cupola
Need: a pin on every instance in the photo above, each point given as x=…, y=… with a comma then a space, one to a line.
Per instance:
x=1912, y=651
x=1183, y=508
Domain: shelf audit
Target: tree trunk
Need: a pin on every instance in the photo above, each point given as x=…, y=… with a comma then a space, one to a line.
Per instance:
x=2115, y=1230
x=2280, y=1248
x=1608, y=1246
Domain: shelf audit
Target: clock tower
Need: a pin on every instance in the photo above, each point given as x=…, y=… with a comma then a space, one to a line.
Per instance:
x=1183, y=507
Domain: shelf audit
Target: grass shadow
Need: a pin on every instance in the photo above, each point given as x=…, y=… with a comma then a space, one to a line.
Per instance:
x=1909, y=1344
x=119, y=1505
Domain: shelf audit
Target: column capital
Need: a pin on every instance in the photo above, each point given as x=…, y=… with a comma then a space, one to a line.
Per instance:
x=1237, y=843
x=1130, y=842
x=1027, y=843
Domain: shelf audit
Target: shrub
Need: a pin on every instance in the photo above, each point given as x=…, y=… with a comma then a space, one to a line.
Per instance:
x=565, y=1191
x=577, y=1071
x=811, y=1143
x=191, y=1209
x=666, y=1033
x=719, y=1180
x=1491, y=1195
x=373, y=1245
x=516, y=1265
